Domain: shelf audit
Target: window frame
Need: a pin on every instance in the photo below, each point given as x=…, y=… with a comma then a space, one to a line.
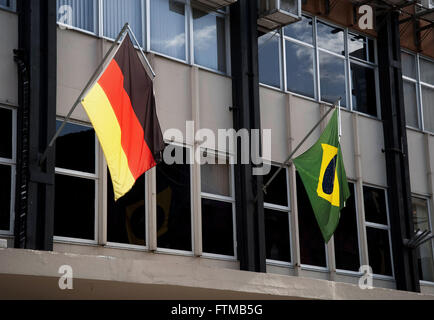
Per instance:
x=87, y=176
x=219, y=198
x=378, y=226
x=12, y=163
x=317, y=76
x=419, y=84
x=189, y=151
x=12, y=7
x=284, y=210
x=430, y=222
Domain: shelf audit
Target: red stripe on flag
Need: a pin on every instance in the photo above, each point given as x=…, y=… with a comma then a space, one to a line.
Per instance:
x=140, y=158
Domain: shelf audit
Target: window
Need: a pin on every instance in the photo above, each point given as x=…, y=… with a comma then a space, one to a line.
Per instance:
x=7, y=169
x=418, y=81
x=277, y=218
x=118, y=12
x=81, y=14
x=346, y=237
x=174, y=210
x=218, y=206
x=8, y=4
x=76, y=183
x=421, y=219
x=312, y=246
x=378, y=231
x=127, y=218
x=323, y=62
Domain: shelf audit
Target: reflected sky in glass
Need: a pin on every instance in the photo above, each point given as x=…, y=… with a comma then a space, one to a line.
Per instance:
x=300, y=69
x=330, y=38
x=332, y=78
x=269, y=66
x=302, y=30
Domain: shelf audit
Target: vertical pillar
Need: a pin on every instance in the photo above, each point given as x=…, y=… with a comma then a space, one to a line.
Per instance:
x=245, y=82
x=396, y=149
x=38, y=54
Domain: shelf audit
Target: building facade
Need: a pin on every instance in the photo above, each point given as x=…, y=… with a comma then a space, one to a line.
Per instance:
x=191, y=231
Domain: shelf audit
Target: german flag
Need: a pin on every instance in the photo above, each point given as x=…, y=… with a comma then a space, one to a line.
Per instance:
x=121, y=107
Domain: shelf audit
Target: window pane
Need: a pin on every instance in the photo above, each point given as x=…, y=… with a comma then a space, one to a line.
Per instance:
x=346, y=237
x=421, y=222
x=75, y=148
x=379, y=251
x=216, y=179
x=168, y=38
x=363, y=89
x=5, y=197
x=6, y=3
x=277, y=191
x=332, y=72
x=331, y=38
x=119, y=12
x=126, y=218
x=301, y=30
x=410, y=102
x=217, y=227
x=6, y=133
x=209, y=34
x=82, y=12
x=269, y=65
x=358, y=46
x=174, y=206
x=426, y=71
x=428, y=108
x=312, y=246
x=375, y=205
x=371, y=50
x=277, y=237
x=289, y=6
x=300, y=69
x=408, y=62
x=74, y=208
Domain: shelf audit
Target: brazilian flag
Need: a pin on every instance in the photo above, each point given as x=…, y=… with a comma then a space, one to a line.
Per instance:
x=323, y=174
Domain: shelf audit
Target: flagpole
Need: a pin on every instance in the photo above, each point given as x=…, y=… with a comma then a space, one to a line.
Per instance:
x=299, y=146
x=340, y=120
x=141, y=51
x=83, y=93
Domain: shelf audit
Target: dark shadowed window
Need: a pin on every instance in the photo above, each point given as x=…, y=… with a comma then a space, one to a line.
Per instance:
x=5, y=197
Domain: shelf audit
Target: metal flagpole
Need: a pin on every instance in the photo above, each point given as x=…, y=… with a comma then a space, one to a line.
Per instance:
x=141, y=51
x=299, y=146
x=95, y=75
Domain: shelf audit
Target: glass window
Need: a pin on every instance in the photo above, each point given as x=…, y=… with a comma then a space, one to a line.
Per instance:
x=377, y=231
x=289, y=6
x=126, y=218
x=218, y=203
x=6, y=133
x=300, y=69
x=375, y=205
x=269, y=65
x=408, y=62
x=332, y=78
x=5, y=197
x=168, y=38
x=427, y=71
x=302, y=30
x=379, y=251
x=118, y=12
x=75, y=148
x=277, y=191
x=74, y=207
x=217, y=227
x=428, y=107
x=331, y=38
x=277, y=235
x=346, y=239
x=410, y=102
x=78, y=13
x=174, y=204
x=363, y=89
x=422, y=222
x=312, y=246
x=209, y=32
x=75, y=183
x=358, y=46
x=7, y=3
